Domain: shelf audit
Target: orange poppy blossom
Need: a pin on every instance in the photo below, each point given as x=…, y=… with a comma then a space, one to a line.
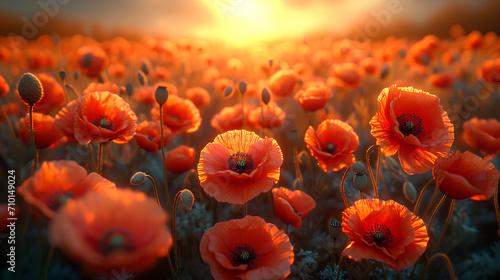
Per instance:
x=370, y=65
x=490, y=71
x=180, y=159
x=346, y=75
x=283, y=82
x=292, y=206
x=147, y=136
x=117, y=70
x=229, y=118
x=483, y=135
x=332, y=144
x=4, y=87
x=112, y=231
x=247, y=248
x=92, y=60
x=199, y=96
x=97, y=117
x=179, y=114
x=422, y=52
x=412, y=122
x=56, y=182
x=53, y=95
x=466, y=175
x=443, y=79
x=239, y=165
x=312, y=98
x=107, y=86
x=161, y=73
x=385, y=231
x=274, y=116
x=45, y=133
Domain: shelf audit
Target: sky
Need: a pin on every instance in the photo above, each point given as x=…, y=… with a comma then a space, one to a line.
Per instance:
x=236, y=21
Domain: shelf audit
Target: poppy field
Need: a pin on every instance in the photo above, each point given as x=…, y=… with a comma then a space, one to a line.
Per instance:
x=323, y=158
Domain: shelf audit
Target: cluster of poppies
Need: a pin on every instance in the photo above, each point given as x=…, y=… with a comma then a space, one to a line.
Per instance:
x=272, y=134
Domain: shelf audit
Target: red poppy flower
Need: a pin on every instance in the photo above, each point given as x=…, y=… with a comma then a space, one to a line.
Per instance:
x=443, y=79
x=97, y=117
x=117, y=70
x=161, y=73
x=247, y=248
x=292, y=206
x=11, y=108
x=221, y=84
x=147, y=136
x=473, y=40
x=370, y=65
x=179, y=114
x=53, y=95
x=199, y=96
x=412, y=121
x=229, y=118
x=57, y=181
x=313, y=98
x=274, y=116
x=385, y=231
x=4, y=87
x=332, y=144
x=239, y=165
x=92, y=60
x=107, y=86
x=346, y=75
x=422, y=52
x=466, y=175
x=283, y=82
x=483, y=135
x=112, y=231
x=180, y=159
x=490, y=71
x=45, y=133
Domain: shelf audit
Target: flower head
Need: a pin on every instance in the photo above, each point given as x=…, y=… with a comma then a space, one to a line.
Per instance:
x=490, y=71
x=313, y=98
x=332, y=144
x=92, y=60
x=180, y=159
x=274, y=116
x=239, y=165
x=283, y=82
x=229, y=118
x=385, y=231
x=53, y=95
x=179, y=114
x=413, y=122
x=292, y=206
x=247, y=248
x=97, y=117
x=148, y=136
x=483, y=135
x=4, y=87
x=45, y=133
x=466, y=175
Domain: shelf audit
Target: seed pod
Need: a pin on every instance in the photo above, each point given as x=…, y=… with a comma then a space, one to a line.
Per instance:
x=62, y=74
x=161, y=95
x=30, y=89
x=142, y=78
x=187, y=198
x=138, y=178
x=228, y=91
x=242, y=87
x=335, y=228
x=130, y=89
x=266, y=96
x=360, y=181
x=358, y=168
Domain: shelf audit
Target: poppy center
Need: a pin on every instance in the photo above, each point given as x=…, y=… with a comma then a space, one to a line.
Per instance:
x=114, y=240
x=379, y=234
x=331, y=147
x=104, y=122
x=59, y=198
x=410, y=124
x=243, y=255
x=240, y=162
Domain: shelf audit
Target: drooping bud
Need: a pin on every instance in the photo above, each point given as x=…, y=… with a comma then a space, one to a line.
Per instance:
x=265, y=96
x=161, y=95
x=30, y=89
x=187, y=198
x=62, y=74
x=228, y=91
x=130, y=89
x=145, y=67
x=143, y=80
x=242, y=87
x=138, y=178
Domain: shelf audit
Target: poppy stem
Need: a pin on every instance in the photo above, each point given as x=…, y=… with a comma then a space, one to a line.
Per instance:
x=421, y=194
x=379, y=157
x=495, y=200
x=155, y=189
x=32, y=135
x=91, y=148
x=342, y=191
x=47, y=265
x=448, y=265
x=163, y=157
x=448, y=218
x=262, y=119
x=8, y=120
x=360, y=194
x=99, y=158
x=338, y=267
x=174, y=229
x=435, y=212
x=243, y=111
x=65, y=91
x=383, y=270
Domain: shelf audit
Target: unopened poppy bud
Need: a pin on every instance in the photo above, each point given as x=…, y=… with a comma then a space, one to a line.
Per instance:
x=243, y=87
x=384, y=72
x=142, y=78
x=145, y=67
x=75, y=74
x=410, y=191
x=187, y=198
x=293, y=135
x=360, y=181
x=358, y=168
x=130, y=89
x=138, y=178
x=161, y=95
x=62, y=74
x=271, y=62
x=30, y=89
x=228, y=91
x=266, y=96
x=335, y=228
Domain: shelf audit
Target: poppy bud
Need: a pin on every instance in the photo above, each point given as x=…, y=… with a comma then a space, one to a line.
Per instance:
x=145, y=67
x=293, y=135
x=266, y=96
x=62, y=74
x=385, y=72
x=243, y=87
x=360, y=181
x=187, y=198
x=138, y=178
x=358, y=168
x=30, y=89
x=142, y=78
x=130, y=89
x=271, y=62
x=228, y=91
x=335, y=228
x=161, y=95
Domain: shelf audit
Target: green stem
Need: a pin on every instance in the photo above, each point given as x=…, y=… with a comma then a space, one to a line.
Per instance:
x=8, y=120
x=163, y=158
x=495, y=201
x=243, y=111
x=155, y=189
x=297, y=167
x=435, y=212
x=49, y=258
x=99, y=158
x=174, y=229
x=32, y=134
x=368, y=165
x=448, y=265
x=342, y=191
x=448, y=218
x=338, y=267
x=421, y=194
